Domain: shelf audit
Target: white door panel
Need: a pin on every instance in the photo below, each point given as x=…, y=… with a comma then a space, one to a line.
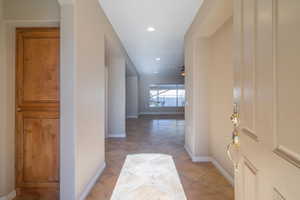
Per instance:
x=287, y=70
x=267, y=82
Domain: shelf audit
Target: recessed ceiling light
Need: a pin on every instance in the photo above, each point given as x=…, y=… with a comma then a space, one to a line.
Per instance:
x=155, y=72
x=150, y=29
x=157, y=59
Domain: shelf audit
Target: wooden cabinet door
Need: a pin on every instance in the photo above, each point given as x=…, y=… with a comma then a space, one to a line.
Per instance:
x=37, y=112
x=267, y=80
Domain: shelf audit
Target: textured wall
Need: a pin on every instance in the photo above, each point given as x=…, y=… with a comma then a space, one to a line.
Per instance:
x=92, y=28
x=209, y=82
x=221, y=94
x=31, y=10
x=132, y=96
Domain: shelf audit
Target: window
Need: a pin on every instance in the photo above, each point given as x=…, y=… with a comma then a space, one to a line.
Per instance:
x=171, y=95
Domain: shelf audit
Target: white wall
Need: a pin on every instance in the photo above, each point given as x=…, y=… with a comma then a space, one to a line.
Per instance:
x=209, y=82
x=144, y=83
x=116, y=92
x=32, y=10
x=67, y=104
x=221, y=94
x=132, y=98
x=130, y=69
x=91, y=31
x=89, y=92
x=6, y=131
x=197, y=80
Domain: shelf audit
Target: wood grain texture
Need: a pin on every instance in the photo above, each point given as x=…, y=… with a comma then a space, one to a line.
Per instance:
x=40, y=148
x=37, y=112
x=37, y=71
x=40, y=72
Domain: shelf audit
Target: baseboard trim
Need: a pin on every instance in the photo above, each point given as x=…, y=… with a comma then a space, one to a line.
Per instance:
x=92, y=182
x=161, y=113
x=9, y=196
x=121, y=135
x=229, y=178
x=132, y=117
x=197, y=158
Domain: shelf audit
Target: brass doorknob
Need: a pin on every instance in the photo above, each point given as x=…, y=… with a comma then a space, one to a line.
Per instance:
x=233, y=149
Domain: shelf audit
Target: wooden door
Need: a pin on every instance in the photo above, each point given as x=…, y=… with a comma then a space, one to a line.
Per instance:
x=267, y=81
x=37, y=112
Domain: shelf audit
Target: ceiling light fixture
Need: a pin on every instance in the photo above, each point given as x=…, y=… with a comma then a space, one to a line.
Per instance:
x=155, y=72
x=157, y=59
x=150, y=29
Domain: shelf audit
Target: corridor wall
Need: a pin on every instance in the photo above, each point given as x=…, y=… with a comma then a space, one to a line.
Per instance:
x=209, y=82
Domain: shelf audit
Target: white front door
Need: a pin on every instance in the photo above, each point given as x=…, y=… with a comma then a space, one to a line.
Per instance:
x=267, y=91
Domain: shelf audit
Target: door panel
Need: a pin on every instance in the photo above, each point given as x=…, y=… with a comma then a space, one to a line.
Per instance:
x=287, y=72
x=248, y=67
x=37, y=112
x=40, y=72
x=267, y=72
x=250, y=181
x=40, y=143
x=37, y=68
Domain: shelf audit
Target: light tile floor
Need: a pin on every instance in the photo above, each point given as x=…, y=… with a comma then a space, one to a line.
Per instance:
x=157, y=134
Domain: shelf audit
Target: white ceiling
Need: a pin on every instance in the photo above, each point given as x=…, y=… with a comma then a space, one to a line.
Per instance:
x=170, y=18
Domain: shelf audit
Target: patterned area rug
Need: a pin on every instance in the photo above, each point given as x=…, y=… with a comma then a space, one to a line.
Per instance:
x=148, y=177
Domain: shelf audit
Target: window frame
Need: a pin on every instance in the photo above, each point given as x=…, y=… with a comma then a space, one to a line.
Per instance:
x=157, y=86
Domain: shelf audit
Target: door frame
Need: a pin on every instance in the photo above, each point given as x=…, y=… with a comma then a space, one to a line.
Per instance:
x=10, y=35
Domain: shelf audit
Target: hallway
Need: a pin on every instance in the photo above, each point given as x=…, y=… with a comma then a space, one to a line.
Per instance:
x=161, y=134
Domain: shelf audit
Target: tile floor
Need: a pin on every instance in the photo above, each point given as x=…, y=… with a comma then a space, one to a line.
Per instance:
x=161, y=134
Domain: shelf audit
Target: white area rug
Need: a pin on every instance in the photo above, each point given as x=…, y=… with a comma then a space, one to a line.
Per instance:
x=148, y=177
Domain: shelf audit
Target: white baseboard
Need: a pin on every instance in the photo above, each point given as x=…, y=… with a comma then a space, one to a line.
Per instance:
x=119, y=135
x=229, y=178
x=92, y=182
x=161, y=113
x=197, y=158
x=132, y=117
x=9, y=196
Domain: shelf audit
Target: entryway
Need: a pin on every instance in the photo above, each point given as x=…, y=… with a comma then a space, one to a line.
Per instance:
x=161, y=134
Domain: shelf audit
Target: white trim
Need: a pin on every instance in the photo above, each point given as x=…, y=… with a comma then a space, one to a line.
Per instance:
x=161, y=113
x=132, y=117
x=189, y=152
x=118, y=135
x=223, y=171
x=65, y=2
x=92, y=182
x=228, y=177
x=197, y=158
x=9, y=196
x=34, y=23
x=202, y=159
